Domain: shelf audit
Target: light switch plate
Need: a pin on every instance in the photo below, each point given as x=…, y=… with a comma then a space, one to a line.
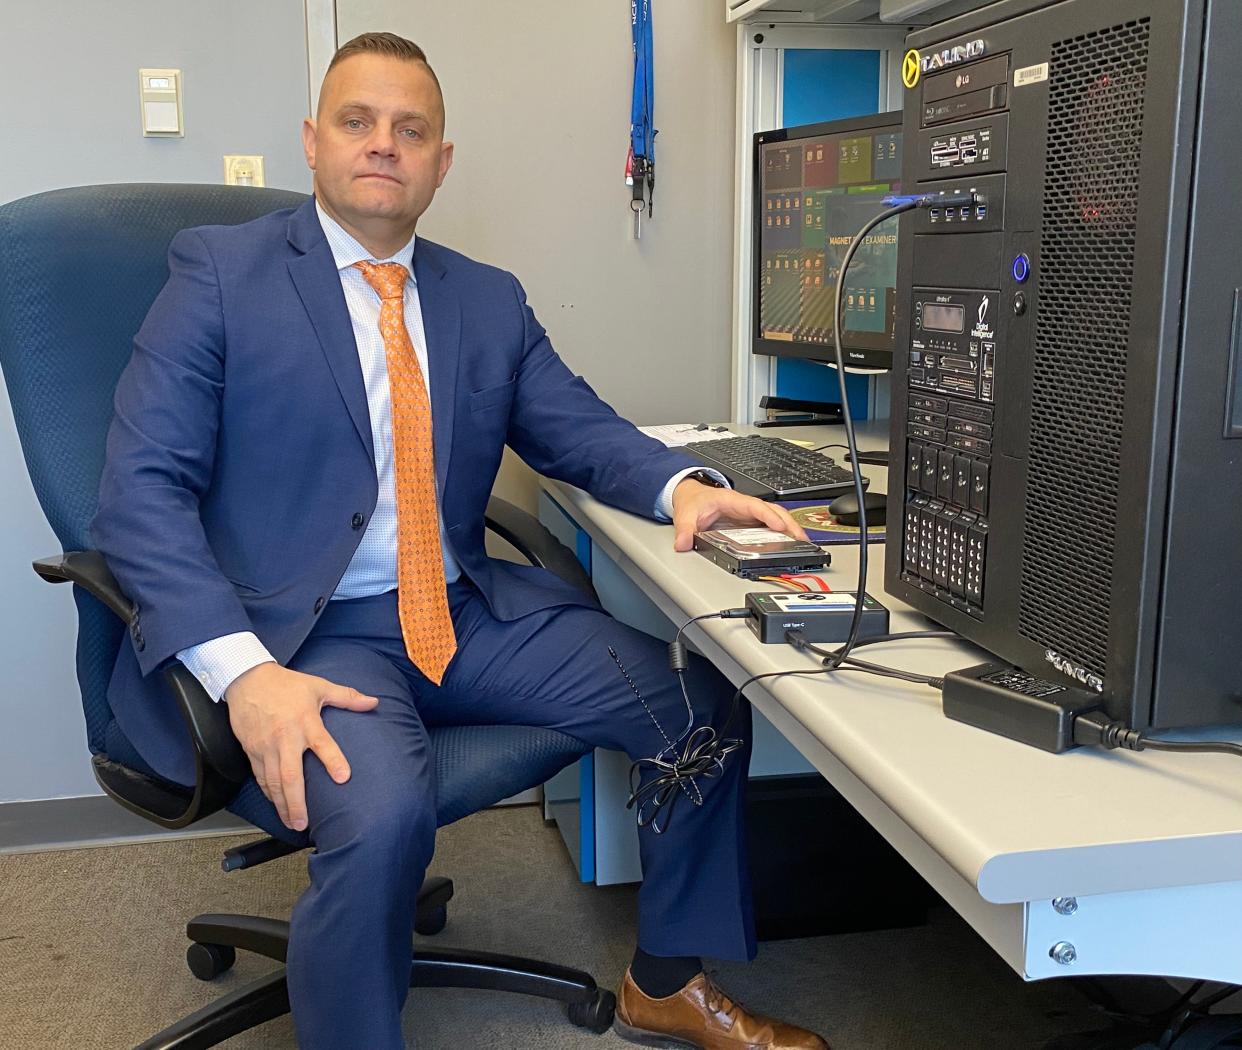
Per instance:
x=159, y=95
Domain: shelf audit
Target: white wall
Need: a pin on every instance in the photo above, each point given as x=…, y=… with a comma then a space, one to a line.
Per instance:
x=538, y=104
x=69, y=81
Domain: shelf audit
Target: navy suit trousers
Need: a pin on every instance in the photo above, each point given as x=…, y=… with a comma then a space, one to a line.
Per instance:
x=351, y=932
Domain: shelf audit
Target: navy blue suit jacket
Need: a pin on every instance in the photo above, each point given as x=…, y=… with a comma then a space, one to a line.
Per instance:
x=241, y=450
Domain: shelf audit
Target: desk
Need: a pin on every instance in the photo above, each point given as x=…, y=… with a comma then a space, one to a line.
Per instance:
x=1133, y=859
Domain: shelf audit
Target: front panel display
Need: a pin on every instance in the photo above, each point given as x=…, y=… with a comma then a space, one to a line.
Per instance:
x=953, y=343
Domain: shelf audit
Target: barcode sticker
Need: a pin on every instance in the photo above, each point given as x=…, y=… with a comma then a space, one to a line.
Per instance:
x=1030, y=75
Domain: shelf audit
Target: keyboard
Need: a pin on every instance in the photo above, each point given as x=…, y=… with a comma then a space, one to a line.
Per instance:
x=773, y=469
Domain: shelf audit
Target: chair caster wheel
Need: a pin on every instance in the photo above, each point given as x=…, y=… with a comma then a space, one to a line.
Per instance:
x=430, y=922
x=209, y=961
x=596, y=1013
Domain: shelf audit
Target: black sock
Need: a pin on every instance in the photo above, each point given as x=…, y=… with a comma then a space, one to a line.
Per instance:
x=658, y=976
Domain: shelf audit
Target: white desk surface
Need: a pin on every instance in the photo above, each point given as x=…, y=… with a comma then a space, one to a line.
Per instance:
x=1014, y=822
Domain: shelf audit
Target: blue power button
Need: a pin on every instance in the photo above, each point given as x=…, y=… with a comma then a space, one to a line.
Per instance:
x=1021, y=267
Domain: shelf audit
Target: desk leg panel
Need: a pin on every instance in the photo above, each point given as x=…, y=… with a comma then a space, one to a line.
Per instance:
x=616, y=828
x=1179, y=931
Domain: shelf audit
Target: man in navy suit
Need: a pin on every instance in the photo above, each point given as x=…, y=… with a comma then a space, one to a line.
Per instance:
x=250, y=507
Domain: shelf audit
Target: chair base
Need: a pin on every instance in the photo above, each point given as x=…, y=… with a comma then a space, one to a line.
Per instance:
x=214, y=939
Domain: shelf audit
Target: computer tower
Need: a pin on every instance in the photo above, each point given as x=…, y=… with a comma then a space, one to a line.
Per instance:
x=1067, y=396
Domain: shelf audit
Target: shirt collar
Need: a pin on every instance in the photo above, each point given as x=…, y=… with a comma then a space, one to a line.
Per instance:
x=346, y=250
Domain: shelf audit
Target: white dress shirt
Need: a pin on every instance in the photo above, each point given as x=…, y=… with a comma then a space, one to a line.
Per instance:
x=373, y=568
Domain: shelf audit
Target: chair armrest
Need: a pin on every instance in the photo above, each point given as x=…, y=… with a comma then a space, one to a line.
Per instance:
x=535, y=543
x=210, y=729
x=221, y=765
x=90, y=572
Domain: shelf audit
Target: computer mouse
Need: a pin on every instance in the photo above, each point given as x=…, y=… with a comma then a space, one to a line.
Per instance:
x=845, y=508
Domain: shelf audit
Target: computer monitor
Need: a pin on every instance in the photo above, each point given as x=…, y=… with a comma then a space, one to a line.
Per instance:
x=815, y=187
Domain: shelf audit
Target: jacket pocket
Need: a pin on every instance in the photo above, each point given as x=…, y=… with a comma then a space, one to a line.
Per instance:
x=491, y=396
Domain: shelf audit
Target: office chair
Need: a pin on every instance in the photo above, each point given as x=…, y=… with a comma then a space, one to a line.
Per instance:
x=78, y=270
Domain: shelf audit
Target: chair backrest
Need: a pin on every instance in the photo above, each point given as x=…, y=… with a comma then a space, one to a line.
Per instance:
x=79, y=268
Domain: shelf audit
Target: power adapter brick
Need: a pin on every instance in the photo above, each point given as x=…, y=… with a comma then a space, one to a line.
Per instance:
x=1012, y=703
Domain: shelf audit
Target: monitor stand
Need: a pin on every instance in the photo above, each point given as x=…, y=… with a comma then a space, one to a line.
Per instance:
x=878, y=457
x=798, y=412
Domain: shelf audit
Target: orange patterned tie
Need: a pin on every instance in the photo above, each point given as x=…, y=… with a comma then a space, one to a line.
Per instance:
x=421, y=596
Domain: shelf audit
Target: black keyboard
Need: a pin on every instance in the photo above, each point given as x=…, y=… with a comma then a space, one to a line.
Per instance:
x=773, y=469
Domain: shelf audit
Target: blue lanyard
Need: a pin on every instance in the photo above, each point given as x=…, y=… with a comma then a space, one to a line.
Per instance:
x=642, y=107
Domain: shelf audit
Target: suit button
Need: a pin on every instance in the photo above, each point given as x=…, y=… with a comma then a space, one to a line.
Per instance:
x=139, y=642
x=319, y=604
x=357, y=521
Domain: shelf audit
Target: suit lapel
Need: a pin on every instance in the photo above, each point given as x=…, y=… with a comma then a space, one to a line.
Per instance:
x=441, y=311
x=319, y=287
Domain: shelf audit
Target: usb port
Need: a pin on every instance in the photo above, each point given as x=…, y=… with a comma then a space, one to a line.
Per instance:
x=950, y=214
x=933, y=214
x=981, y=212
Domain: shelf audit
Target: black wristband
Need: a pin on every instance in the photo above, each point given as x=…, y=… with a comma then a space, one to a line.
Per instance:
x=704, y=478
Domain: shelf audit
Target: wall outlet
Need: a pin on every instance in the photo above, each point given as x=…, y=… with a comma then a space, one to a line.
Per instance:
x=243, y=170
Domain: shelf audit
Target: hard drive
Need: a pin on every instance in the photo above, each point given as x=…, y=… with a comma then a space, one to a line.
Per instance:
x=759, y=552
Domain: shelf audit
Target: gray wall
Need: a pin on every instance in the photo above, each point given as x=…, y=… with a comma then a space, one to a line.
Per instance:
x=69, y=81
x=538, y=104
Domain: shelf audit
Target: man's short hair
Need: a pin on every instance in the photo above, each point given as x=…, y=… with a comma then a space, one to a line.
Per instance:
x=385, y=44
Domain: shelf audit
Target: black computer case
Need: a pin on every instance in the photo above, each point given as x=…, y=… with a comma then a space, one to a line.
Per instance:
x=1067, y=392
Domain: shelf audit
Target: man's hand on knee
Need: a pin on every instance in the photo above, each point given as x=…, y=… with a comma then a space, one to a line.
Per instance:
x=275, y=716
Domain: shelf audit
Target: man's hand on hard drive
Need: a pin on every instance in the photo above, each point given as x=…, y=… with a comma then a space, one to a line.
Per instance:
x=697, y=507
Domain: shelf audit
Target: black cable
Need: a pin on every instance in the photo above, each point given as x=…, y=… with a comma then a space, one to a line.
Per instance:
x=701, y=752
x=856, y=621
x=694, y=753
x=833, y=659
x=741, y=689
x=873, y=639
x=720, y=614
x=897, y=205
x=1185, y=998
x=1208, y=1001
x=1220, y=747
x=1096, y=729
x=660, y=793
x=864, y=452
x=677, y=660
x=851, y=663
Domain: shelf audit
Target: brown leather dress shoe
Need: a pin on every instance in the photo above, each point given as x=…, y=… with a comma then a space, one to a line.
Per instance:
x=702, y=1017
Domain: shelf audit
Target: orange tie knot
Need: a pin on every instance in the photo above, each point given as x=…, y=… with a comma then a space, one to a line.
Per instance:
x=388, y=279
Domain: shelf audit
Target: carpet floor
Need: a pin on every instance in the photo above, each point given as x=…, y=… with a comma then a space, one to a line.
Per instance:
x=92, y=949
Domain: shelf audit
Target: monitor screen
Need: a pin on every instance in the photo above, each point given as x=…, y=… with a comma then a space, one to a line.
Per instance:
x=815, y=187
